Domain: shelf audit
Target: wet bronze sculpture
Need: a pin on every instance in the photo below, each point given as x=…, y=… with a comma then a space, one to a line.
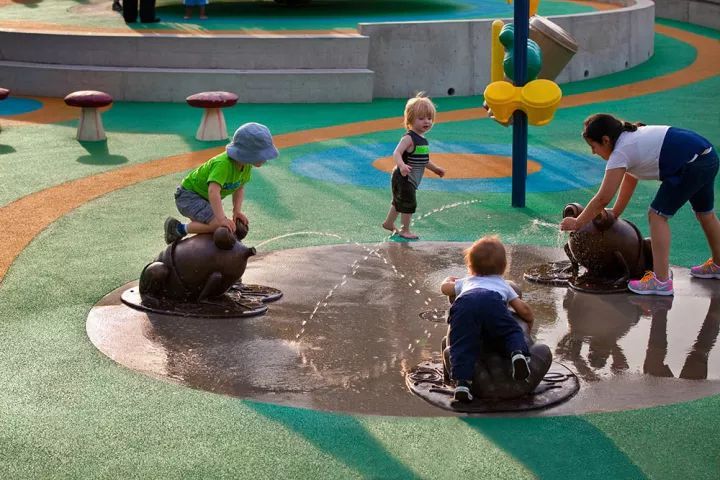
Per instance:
x=197, y=268
x=610, y=250
x=608, y=247
x=199, y=276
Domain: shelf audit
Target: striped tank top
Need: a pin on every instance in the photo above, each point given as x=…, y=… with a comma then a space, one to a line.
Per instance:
x=417, y=159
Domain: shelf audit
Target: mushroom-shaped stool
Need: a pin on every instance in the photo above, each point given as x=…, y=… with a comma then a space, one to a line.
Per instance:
x=212, y=126
x=4, y=92
x=91, y=127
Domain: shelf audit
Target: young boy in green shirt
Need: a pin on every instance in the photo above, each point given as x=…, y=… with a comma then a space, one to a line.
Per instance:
x=199, y=196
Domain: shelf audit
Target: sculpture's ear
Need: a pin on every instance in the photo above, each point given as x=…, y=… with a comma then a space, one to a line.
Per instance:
x=241, y=230
x=224, y=238
x=572, y=210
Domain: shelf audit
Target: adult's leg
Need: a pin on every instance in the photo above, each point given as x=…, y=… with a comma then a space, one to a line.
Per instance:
x=147, y=10
x=130, y=10
x=711, y=226
x=660, y=241
x=703, y=203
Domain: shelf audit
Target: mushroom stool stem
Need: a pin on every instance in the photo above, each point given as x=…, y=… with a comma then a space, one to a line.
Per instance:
x=212, y=126
x=90, y=128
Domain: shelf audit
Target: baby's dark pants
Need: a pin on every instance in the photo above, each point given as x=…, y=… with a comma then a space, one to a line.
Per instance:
x=480, y=323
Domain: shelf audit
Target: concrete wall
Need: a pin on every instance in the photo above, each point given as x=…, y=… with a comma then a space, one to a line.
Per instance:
x=453, y=57
x=160, y=68
x=699, y=12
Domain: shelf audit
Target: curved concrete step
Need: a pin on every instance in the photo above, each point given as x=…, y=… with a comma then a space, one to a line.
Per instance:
x=175, y=84
x=182, y=51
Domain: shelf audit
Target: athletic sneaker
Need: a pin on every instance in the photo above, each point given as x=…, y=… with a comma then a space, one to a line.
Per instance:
x=650, y=285
x=520, y=367
x=171, y=230
x=706, y=270
x=462, y=392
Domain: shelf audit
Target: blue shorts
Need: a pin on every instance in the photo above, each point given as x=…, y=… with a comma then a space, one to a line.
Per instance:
x=694, y=183
x=193, y=206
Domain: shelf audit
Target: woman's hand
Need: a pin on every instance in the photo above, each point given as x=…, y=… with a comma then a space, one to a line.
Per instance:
x=569, y=224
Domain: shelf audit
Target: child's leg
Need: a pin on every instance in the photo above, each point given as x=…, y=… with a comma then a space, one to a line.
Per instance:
x=502, y=326
x=198, y=210
x=404, y=201
x=389, y=223
x=202, y=12
x=200, y=227
x=464, y=336
x=405, y=232
x=660, y=241
x=188, y=12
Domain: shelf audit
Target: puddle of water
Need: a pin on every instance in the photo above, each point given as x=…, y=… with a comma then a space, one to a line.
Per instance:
x=358, y=306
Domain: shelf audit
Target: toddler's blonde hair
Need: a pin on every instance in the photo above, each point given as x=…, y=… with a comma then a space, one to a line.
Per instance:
x=418, y=106
x=486, y=256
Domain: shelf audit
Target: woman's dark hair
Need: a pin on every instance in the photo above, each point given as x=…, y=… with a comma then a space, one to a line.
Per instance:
x=601, y=124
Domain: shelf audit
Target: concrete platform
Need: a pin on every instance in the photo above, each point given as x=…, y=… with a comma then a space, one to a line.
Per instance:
x=344, y=341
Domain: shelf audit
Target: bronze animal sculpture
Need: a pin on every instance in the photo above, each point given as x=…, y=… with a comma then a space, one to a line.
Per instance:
x=198, y=267
x=611, y=249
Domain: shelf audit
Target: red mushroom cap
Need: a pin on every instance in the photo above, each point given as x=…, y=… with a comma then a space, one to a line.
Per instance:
x=212, y=99
x=88, y=99
x=4, y=92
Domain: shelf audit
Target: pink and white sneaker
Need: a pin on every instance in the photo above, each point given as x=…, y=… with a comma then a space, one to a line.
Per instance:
x=650, y=285
x=706, y=270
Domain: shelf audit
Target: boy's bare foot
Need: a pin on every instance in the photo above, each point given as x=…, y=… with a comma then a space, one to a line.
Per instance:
x=389, y=227
x=203, y=17
x=407, y=234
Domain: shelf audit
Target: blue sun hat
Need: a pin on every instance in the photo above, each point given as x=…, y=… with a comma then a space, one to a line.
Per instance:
x=252, y=143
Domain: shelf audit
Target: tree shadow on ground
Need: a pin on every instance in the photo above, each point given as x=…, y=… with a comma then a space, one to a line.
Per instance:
x=343, y=437
x=558, y=447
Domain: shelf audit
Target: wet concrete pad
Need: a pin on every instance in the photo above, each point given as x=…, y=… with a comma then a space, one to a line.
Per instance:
x=348, y=329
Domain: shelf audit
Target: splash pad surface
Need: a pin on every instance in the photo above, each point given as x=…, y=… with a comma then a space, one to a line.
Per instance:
x=345, y=341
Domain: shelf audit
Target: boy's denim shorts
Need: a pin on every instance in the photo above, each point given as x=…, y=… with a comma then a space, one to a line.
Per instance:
x=193, y=206
x=694, y=184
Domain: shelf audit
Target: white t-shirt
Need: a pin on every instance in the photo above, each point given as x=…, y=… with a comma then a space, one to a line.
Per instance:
x=639, y=152
x=489, y=282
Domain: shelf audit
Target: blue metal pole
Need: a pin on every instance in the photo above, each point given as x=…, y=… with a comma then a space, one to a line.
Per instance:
x=520, y=123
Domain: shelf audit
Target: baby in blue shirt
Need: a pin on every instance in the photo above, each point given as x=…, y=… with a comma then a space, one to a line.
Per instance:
x=479, y=316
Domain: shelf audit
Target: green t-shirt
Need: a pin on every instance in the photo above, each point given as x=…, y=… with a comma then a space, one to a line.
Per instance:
x=221, y=170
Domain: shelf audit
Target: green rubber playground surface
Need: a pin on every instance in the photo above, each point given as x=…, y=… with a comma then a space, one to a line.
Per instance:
x=67, y=411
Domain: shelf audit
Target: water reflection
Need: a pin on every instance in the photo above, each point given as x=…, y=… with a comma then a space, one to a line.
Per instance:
x=597, y=342
x=599, y=321
x=696, y=362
